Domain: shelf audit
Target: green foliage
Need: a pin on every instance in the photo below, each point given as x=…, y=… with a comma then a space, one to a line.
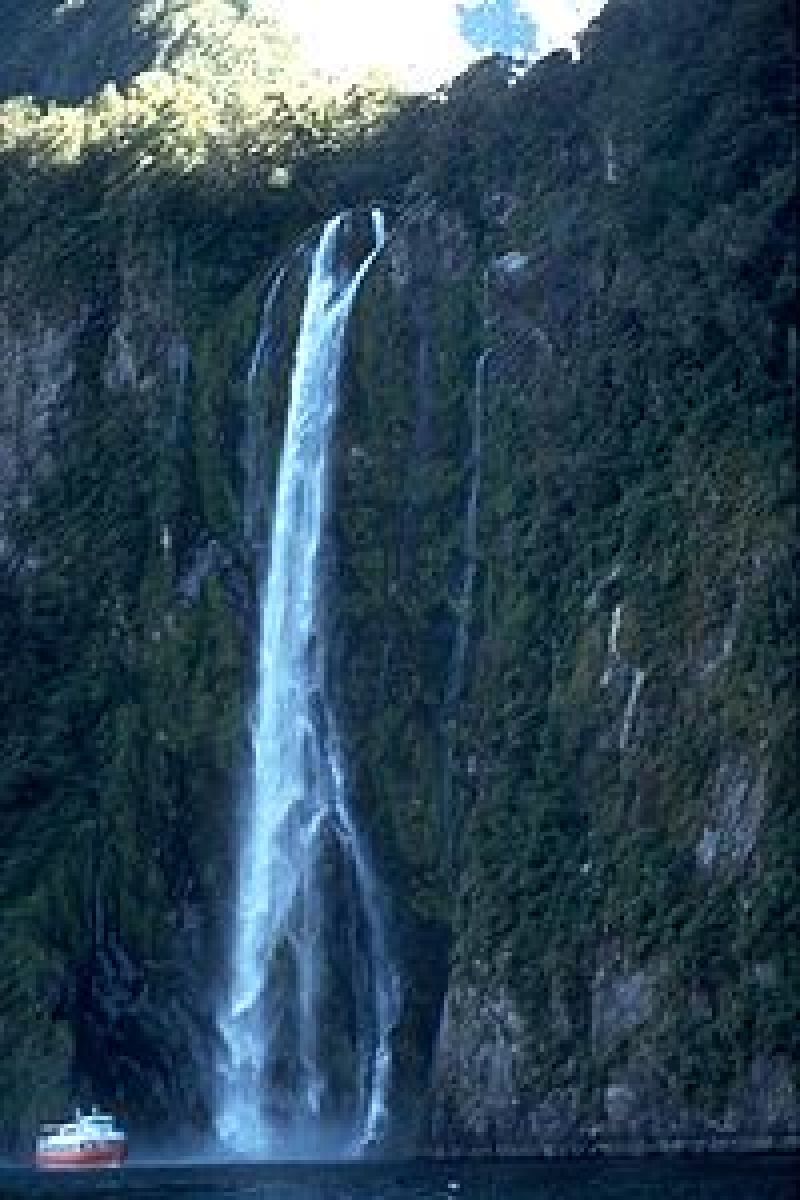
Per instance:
x=637, y=450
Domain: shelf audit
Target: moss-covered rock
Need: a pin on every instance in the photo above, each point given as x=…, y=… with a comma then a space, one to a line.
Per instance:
x=570, y=381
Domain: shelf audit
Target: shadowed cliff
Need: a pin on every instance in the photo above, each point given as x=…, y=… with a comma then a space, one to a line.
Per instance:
x=560, y=578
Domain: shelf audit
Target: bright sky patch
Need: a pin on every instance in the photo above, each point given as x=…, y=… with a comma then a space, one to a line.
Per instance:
x=417, y=41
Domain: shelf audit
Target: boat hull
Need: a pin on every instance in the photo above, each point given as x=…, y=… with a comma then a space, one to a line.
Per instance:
x=85, y=1159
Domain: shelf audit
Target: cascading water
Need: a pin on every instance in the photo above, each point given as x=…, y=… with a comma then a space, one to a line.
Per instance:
x=455, y=681
x=309, y=1014
x=260, y=360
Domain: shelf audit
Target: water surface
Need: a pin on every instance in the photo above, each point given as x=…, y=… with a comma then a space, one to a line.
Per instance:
x=754, y=1178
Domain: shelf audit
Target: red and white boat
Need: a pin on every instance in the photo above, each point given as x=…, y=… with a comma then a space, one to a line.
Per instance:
x=91, y=1140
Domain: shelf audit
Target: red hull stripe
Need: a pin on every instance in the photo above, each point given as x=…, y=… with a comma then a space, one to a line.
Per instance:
x=99, y=1157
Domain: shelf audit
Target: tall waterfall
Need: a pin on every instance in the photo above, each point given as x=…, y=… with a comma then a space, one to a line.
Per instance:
x=308, y=1017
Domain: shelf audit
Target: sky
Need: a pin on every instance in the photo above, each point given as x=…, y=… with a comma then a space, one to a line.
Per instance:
x=418, y=41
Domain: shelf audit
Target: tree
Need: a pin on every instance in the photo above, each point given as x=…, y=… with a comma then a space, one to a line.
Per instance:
x=498, y=27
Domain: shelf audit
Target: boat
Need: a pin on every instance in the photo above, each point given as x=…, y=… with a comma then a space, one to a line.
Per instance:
x=91, y=1140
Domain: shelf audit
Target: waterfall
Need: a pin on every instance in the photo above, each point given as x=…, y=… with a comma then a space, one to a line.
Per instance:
x=630, y=706
x=309, y=1013
x=455, y=681
x=259, y=361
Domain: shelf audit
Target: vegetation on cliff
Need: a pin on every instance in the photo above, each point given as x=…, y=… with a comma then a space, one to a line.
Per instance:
x=605, y=817
x=593, y=819
x=138, y=229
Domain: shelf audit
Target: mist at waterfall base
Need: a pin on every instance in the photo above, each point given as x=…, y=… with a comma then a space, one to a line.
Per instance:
x=720, y=1178
x=306, y=1025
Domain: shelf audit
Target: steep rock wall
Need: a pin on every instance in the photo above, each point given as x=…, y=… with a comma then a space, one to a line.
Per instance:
x=577, y=775
x=589, y=854
x=127, y=608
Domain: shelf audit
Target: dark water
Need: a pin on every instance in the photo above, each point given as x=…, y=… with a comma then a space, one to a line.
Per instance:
x=772, y=1178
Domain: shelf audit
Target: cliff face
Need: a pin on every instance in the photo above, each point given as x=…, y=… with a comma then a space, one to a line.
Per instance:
x=576, y=756
x=107, y=927
x=564, y=526
x=71, y=52
x=560, y=591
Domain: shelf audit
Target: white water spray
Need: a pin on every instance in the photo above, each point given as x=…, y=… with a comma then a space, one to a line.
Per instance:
x=260, y=360
x=299, y=811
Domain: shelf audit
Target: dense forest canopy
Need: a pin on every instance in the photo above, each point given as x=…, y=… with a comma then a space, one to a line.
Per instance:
x=594, y=830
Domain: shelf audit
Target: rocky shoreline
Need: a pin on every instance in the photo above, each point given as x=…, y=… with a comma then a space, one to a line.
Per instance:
x=609, y=1147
